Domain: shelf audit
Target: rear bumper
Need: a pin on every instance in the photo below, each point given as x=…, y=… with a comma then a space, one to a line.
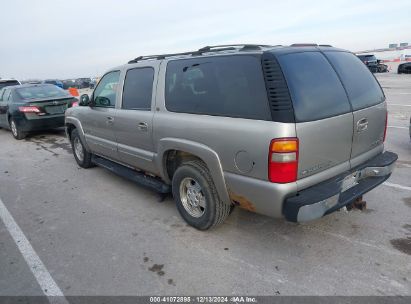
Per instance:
x=335, y=193
x=27, y=125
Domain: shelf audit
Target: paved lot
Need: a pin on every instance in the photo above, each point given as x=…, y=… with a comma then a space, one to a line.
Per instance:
x=98, y=234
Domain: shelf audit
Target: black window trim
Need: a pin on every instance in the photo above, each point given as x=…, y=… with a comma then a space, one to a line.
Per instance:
x=152, y=88
x=92, y=96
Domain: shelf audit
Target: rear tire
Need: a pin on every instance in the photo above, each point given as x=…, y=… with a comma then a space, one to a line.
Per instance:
x=81, y=155
x=196, y=196
x=15, y=130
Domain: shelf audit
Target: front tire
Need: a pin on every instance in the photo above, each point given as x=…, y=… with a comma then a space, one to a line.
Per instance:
x=81, y=155
x=16, y=131
x=196, y=196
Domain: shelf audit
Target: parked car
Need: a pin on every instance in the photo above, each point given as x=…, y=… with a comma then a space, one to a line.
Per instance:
x=69, y=83
x=8, y=82
x=32, y=107
x=293, y=132
x=83, y=83
x=381, y=67
x=404, y=68
x=370, y=61
x=56, y=82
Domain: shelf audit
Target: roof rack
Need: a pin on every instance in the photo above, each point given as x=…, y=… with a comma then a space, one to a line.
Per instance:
x=309, y=44
x=244, y=47
x=206, y=49
x=159, y=56
x=304, y=44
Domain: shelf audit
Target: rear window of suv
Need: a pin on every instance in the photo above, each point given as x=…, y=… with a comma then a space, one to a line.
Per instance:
x=231, y=86
x=315, y=88
x=361, y=86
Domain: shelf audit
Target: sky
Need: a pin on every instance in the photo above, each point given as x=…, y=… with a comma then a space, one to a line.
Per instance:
x=83, y=38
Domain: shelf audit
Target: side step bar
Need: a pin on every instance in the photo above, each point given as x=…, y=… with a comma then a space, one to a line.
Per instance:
x=135, y=176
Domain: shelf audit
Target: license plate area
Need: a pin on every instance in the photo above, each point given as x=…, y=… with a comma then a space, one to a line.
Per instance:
x=349, y=181
x=60, y=109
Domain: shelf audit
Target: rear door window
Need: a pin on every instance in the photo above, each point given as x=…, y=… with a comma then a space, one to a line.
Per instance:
x=315, y=89
x=362, y=88
x=231, y=86
x=138, y=89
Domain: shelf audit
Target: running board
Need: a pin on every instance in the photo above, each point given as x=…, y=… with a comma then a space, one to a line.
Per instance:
x=135, y=176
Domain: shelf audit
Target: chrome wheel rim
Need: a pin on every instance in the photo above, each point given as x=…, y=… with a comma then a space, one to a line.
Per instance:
x=192, y=197
x=78, y=149
x=13, y=128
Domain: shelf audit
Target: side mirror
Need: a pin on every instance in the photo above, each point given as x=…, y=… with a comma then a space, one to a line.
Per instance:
x=84, y=100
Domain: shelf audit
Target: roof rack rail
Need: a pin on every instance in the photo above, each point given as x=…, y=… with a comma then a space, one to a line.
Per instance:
x=148, y=57
x=325, y=45
x=244, y=47
x=304, y=44
x=206, y=49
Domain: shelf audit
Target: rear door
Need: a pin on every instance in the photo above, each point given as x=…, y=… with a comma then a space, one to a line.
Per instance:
x=134, y=119
x=98, y=120
x=324, y=120
x=369, y=108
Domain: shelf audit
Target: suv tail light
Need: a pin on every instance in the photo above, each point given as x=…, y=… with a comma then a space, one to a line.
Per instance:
x=29, y=109
x=283, y=160
x=386, y=123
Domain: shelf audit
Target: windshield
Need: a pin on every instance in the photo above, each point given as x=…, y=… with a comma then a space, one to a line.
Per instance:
x=47, y=91
x=8, y=83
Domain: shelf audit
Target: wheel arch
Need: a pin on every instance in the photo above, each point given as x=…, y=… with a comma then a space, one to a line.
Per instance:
x=177, y=151
x=72, y=123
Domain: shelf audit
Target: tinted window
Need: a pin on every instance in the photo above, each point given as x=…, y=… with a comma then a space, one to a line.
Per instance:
x=367, y=57
x=315, y=89
x=8, y=83
x=223, y=86
x=106, y=91
x=41, y=91
x=362, y=88
x=138, y=88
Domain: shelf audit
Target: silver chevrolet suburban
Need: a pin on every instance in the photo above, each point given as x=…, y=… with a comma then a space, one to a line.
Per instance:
x=295, y=132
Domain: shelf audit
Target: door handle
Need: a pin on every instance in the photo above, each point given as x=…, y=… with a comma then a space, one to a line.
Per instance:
x=142, y=126
x=362, y=125
x=110, y=119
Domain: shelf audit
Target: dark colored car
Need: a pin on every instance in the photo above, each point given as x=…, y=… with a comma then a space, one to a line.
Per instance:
x=381, y=67
x=69, y=83
x=32, y=107
x=56, y=82
x=404, y=68
x=370, y=61
x=83, y=83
